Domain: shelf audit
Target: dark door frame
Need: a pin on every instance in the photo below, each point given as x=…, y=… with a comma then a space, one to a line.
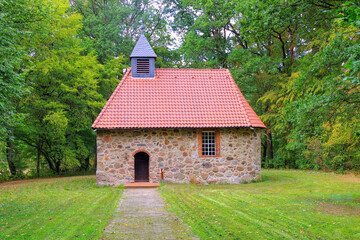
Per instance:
x=141, y=167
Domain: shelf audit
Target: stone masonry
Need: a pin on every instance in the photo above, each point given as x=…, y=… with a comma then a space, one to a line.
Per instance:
x=176, y=152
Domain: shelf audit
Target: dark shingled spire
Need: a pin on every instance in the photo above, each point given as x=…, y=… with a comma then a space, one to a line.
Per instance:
x=142, y=48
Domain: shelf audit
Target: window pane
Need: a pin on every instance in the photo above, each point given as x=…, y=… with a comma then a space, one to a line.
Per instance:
x=208, y=143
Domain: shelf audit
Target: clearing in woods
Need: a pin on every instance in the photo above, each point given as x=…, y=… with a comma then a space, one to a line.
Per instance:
x=56, y=208
x=284, y=205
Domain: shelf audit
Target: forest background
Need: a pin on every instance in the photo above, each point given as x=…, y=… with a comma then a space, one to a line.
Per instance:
x=296, y=61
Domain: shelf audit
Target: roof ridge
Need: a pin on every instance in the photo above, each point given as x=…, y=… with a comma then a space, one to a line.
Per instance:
x=111, y=98
x=216, y=69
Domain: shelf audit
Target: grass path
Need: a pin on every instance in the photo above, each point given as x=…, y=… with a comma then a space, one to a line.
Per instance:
x=59, y=208
x=285, y=205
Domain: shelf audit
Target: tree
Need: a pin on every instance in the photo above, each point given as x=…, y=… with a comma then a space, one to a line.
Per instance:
x=111, y=27
x=18, y=19
x=271, y=48
x=63, y=101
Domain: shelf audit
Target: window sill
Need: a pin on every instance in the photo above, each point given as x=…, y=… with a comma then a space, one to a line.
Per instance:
x=216, y=156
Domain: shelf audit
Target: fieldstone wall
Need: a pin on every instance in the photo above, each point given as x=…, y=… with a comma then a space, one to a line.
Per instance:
x=176, y=151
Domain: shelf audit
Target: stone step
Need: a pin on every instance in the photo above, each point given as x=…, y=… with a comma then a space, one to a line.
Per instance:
x=141, y=185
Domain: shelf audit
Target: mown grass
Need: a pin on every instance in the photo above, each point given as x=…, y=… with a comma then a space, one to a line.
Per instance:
x=284, y=205
x=62, y=208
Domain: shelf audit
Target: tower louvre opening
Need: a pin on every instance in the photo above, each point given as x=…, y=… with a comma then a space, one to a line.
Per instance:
x=143, y=66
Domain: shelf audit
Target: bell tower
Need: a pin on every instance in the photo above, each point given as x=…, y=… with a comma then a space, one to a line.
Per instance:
x=142, y=59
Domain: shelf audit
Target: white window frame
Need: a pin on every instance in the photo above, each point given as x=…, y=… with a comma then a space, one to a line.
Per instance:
x=208, y=143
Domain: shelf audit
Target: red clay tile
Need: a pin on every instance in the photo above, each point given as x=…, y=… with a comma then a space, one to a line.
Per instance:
x=178, y=98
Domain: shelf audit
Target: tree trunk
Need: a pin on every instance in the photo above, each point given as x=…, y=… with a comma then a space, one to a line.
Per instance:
x=10, y=160
x=269, y=145
x=87, y=163
x=38, y=158
x=95, y=159
x=264, y=155
x=57, y=164
x=50, y=162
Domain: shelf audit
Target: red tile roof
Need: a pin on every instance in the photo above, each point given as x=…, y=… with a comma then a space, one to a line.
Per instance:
x=178, y=98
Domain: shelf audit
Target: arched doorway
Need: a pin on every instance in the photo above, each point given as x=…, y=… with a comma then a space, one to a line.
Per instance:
x=141, y=167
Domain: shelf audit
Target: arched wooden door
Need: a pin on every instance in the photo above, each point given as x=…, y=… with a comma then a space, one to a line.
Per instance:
x=141, y=167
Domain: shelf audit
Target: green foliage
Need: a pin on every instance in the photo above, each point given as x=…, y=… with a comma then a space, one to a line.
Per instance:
x=18, y=20
x=322, y=118
x=297, y=63
x=111, y=27
x=69, y=59
x=285, y=204
x=64, y=99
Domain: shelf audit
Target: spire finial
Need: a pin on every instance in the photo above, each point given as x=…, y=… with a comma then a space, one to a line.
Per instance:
x=142, y=25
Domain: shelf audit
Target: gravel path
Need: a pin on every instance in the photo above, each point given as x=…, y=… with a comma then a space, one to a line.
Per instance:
x=141, y=214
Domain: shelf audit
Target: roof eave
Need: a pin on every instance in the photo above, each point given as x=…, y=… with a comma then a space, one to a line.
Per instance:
x=143, y=57
x=137, y=128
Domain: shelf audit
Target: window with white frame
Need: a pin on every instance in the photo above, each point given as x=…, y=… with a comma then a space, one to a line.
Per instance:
x=208, y=143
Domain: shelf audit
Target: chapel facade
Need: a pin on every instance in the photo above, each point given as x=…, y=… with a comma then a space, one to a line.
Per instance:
x=176, y=125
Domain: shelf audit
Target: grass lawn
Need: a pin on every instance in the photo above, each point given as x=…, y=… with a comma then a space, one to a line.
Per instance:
x=62, y=208
x=284, y=205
